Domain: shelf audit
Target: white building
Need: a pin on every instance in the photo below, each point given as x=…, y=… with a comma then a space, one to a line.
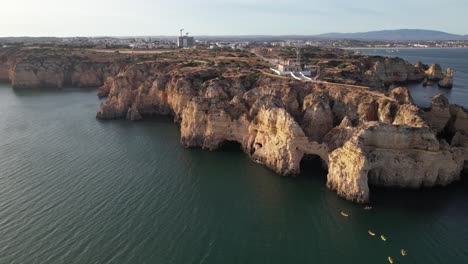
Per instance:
x=293, y=67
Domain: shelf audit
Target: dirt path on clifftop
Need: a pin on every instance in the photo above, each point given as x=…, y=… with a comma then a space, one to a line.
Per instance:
x=364, y=89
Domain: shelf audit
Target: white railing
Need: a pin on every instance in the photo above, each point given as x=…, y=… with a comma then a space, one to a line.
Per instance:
x=295, y=77
x=276, y=71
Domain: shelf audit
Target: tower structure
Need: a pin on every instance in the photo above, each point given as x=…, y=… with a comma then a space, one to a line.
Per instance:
x=185, y=41
x=298, y=56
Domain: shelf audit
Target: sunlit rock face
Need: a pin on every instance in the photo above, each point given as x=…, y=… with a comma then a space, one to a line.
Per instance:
x=389, y=155
x=434, y=73
x=447, y=80
x=363, y=136
x=318, y=117
x=56, y=68
x=394, y=70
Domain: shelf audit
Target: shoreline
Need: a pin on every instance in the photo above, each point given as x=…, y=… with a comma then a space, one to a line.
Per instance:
x=270, y=119
x=405, y=48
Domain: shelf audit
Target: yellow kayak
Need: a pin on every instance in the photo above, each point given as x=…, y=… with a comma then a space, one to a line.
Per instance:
x=403, y=252
x=371, y=233
x=390, y=260
x=344, y=214
x=383, y=238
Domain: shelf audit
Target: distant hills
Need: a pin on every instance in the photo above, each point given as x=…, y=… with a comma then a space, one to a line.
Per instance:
x=397, y=35
x=382, y=35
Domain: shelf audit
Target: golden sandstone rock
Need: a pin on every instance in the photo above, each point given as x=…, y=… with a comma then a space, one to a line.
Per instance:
x=447, y=80
x=364, y=137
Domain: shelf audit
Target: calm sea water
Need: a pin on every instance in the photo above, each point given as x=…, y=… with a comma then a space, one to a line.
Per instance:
x=456, y=59
x=77, y=190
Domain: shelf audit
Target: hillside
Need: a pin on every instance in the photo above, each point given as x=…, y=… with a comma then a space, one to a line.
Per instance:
x=399, y=34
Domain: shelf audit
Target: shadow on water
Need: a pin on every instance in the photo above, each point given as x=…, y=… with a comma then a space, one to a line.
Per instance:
x=425, y=199
x=51, y=91
x=146, y=121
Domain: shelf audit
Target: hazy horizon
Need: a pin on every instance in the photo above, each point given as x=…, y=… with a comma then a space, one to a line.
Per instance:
x=209, y=36
x=224, y=17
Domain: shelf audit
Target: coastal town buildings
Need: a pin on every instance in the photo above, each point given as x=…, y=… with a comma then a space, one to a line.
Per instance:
x=293, y=67
x=185, y=41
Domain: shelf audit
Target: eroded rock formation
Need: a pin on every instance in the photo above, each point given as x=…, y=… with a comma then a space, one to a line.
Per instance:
x=373, y=71
x=434, y=73
x=53, y=68
x=363, y=136
x=394, y=70
x=447, y=80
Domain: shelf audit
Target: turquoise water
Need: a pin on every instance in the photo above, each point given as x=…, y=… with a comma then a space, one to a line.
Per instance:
x=456, y=59
x=77, y=190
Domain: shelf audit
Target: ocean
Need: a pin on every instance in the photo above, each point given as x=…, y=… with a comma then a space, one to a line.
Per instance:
x=74, y=189
x=456, y=59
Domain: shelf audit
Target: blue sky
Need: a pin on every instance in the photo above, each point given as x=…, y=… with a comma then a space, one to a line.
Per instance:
x=226, y=17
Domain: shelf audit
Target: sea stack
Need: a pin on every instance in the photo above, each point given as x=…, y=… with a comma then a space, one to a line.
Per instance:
x=447, y=81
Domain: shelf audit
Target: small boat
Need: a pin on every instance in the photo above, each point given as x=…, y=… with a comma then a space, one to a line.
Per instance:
x=403, y=252
x=383, y=237
x=371, y=233
x=344, y=214
x=390, y=260
x=367, y=207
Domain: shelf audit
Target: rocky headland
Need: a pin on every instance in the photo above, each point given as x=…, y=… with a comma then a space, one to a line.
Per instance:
x=364, y=133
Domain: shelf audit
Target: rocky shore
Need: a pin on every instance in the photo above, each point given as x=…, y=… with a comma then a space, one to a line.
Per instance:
x=365, y=135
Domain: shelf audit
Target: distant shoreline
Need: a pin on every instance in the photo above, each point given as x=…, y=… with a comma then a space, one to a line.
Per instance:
x=405, y=48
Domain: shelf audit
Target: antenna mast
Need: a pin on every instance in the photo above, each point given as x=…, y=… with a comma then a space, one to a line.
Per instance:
x=298, y=58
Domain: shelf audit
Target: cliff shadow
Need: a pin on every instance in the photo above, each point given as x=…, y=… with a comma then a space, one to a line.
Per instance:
x=230, y=146
x=313, y=166
x=425, y=199
x=52, y=91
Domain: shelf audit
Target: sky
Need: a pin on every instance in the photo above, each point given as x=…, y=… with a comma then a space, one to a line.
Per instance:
x=226, y=17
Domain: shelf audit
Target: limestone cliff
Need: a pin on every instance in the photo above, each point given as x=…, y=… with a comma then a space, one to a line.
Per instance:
x=374, y=71
x=393, y=70
x=363, y=137
x=449, y=122
x=388, y=155
x=46, y=68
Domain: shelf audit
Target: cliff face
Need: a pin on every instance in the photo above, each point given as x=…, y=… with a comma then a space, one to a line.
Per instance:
x=213, y=109
x=60, y=72
x=376, y=72
x=36, y=68
x=363, y=137
x=389, y=155
x=381, y=72
x=450, y=122
x=393, y=70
